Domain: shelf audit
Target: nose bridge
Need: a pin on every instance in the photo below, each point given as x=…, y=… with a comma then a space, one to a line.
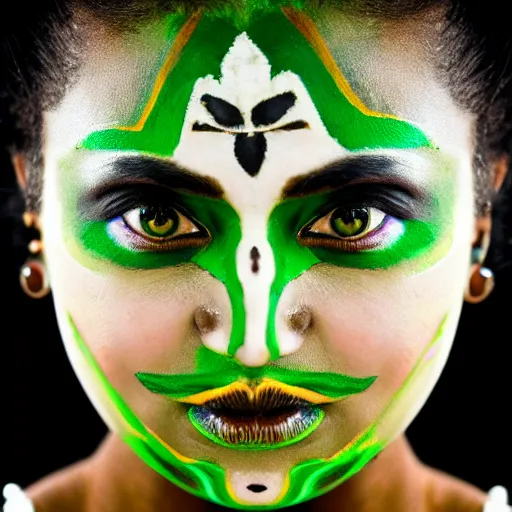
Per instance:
x=256, y=272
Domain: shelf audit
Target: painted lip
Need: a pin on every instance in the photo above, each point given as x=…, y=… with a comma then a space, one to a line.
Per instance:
x=257, y=408
x=264, y=417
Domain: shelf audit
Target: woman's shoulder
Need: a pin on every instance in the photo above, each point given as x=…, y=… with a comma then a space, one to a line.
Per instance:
x=448, y=493
x=61, y=491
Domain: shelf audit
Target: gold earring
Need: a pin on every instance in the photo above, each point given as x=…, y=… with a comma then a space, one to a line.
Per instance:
x=481, y=284
x=33, y=275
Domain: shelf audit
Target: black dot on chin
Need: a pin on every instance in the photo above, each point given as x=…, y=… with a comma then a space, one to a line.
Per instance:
x=257, y=488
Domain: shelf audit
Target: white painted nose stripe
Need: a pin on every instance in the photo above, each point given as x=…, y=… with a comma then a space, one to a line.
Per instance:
x=256, y=278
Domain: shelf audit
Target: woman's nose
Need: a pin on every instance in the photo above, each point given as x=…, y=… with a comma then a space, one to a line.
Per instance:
x=292, y=327
x=263, y=327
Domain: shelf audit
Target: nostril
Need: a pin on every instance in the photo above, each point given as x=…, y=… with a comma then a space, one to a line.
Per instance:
x=206, y=320
x=300, y=321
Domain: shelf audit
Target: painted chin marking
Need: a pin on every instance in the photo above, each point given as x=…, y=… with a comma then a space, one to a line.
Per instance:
x=271, y=419
x=257, y=487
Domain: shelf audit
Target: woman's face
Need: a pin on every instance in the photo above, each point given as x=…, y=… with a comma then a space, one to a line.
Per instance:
x=258, y=230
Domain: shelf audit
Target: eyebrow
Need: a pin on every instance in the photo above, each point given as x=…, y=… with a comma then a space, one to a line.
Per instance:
x=140, y=169
x=349, y=171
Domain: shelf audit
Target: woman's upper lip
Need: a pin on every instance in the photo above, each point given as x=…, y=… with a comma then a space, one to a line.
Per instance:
x=263, y=397
x=198, y=388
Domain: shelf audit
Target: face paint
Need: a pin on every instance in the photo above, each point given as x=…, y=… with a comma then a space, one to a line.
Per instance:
x=278, y=36
x=153, y=134
x=295, y=394
x=207, y=480
x=250, y=173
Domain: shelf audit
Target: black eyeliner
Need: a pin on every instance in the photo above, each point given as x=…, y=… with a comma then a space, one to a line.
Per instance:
x=108, y=204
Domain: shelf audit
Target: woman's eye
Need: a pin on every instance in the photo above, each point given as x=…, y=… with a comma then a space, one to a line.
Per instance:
x=157, y=229
x=352, y=229
x=349, y=223
x=159, y=223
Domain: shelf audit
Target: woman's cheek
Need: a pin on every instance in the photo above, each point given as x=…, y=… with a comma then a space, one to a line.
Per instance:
x=378, y=322
x=137, y=320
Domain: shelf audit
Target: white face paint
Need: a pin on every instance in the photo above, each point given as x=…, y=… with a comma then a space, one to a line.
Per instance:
x=246, y=82
x=142, y=306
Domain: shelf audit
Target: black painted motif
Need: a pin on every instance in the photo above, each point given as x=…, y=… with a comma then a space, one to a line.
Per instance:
x=250, y=146
x=255, y=258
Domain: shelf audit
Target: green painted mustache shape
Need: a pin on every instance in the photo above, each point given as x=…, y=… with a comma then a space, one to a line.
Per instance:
x=199, y=387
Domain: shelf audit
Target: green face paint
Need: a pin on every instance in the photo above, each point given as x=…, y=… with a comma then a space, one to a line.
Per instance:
x=279, y=38
x=227, y=371
x=217, y=257
x=232, y=384
x=208, y=480
x=288, y=39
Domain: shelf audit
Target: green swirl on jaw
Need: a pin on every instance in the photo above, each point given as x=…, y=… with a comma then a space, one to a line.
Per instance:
x=207, y=479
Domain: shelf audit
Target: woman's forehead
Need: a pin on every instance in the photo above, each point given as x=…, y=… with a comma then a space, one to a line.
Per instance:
x=365, y=83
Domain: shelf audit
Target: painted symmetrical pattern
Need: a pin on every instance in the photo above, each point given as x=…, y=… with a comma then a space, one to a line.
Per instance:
x=253, y=113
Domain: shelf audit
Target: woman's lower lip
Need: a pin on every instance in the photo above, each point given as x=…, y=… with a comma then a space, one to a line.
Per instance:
x=252, y=430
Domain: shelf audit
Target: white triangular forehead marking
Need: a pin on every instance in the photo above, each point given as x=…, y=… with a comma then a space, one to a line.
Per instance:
x=245, y=81
x=245, y=75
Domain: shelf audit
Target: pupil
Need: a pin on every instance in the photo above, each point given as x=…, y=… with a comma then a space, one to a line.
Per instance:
x=350, y=221
x=158, y=221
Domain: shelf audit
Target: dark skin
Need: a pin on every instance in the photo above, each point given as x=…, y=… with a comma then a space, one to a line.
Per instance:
x=114, y=478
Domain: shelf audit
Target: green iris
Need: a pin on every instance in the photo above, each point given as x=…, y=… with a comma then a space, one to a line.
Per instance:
x=159, y=222
x=350, y=222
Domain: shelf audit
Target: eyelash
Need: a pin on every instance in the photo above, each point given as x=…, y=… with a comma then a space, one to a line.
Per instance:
x=388, y=230
x=121, y=209
x=118, y=204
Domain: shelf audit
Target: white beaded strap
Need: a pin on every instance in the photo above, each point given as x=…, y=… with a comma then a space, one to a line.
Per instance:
x=498, y=500
x=16, y=500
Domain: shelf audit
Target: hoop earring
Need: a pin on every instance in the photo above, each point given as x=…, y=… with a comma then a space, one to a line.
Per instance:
x=481, y=284
x=33, y=275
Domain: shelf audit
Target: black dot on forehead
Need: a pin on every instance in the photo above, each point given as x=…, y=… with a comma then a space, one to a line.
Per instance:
x=257, y=488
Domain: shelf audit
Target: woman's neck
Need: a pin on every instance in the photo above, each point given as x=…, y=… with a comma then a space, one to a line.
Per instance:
x=119, y=480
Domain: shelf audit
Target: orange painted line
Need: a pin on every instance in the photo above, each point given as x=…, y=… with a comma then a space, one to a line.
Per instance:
x=308, y=29
x=418, y=366
x=178, y=455
x=253, y=392
x=172, y=58
x=349, y=444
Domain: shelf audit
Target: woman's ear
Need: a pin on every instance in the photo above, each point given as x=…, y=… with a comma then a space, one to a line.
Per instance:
x=483, y=222
x=30, y=219
x=19, y=164
x=481, y=279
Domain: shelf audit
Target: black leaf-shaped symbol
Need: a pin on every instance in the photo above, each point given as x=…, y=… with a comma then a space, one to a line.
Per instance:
x=271, y=110
x=223, y=112
x=250, y=149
